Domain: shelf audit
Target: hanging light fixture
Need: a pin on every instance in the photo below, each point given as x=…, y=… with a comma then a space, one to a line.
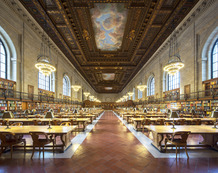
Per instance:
x=76, y=87
x=91, y=97
x=44, y=58
x=125, y=97
x=141, y=87
x=43, y=63
x=86, y=94
x=175, y=63
x=130, y=94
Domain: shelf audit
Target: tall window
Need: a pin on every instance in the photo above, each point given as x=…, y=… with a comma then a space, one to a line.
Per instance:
x=44, y=82
x=139, y=93
x=133, y=97
x=66, y=86
x=173, y=81
x=3, y=61
x=151, y=86
x=214, y=61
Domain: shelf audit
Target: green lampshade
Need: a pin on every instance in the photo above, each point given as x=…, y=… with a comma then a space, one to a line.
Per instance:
x=8, y=114
x=214, y=114
x=49, y=115
x=174, y=114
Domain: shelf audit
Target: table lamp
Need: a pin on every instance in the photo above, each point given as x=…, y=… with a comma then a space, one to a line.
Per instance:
x=173, y=115
x=215, y=115
x=7, y=114
x=49, y=115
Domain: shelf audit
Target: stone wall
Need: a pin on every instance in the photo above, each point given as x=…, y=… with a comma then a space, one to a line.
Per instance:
x=26, y=36
x=198, y=29
x=192, y=35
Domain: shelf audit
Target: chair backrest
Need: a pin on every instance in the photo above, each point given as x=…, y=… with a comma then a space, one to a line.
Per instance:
x=146, y=122
x=197, y=121
x=36, y=136
x=181, y=121
x=36, y=122
x=56, y=122
x=183, y=135
x=17, y=124
x=5, y=136
x=65, y=124
x=160, y=121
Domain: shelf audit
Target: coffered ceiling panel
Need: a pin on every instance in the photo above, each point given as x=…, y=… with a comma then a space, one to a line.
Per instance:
x=108, y=41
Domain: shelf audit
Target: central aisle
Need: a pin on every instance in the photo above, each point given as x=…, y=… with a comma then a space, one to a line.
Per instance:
x=111, y=146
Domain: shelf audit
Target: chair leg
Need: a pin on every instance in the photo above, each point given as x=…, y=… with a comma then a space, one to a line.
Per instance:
x=186, y=151
x=39, y=151
x=176, y=151
x=53, y=146
x=24, y=143
x=1, y=150
x=11, y=150
x=165, y=145
x=43, y=151
x=33, y=152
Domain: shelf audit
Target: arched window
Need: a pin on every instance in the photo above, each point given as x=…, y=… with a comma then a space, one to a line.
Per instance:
x=66, y=86
x=46, y=82
x=214, y=60
x=209, y=61
x=133, y=97
x=173, y=81
x=139, y=93
x=3, y=61
x=151, y=86
x=8, y=57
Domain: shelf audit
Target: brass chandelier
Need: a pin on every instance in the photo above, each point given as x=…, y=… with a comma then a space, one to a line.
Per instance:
x=44, y=58
x=174, y=63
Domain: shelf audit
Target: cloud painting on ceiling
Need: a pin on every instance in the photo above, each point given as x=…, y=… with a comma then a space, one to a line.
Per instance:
x=108, y=88
x=109, y=21
x=108, y=76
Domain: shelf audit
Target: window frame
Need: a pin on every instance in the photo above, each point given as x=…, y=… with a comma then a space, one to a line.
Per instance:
x=45, y=82
x=172, y=84
x=212, y=50
x=6, y=61
x=68, y=89
x=153, y=87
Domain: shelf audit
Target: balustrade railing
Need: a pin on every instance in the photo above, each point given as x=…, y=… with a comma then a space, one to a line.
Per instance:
x=22, y=96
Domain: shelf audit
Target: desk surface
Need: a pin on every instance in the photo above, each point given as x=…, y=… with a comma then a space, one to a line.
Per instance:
x=197, y=129
x=45, y=119
x=27, y=129
x=175, y=119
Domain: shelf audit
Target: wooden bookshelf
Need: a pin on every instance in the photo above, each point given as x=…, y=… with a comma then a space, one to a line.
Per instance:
x=211, y=87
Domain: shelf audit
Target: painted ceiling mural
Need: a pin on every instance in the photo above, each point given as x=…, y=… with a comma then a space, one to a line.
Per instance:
x=109, y=22
x=108, y=76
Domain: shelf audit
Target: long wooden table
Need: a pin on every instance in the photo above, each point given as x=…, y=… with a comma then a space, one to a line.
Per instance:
x=63, y=131
x=209, y=134
x=29, y=121
x=137, y=121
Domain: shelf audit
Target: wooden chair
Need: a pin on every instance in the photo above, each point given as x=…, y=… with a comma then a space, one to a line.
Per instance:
x=17, y=124
x=160, y=121
x=180, y=122
x=144, y=123
x=65, y=124
x=179, y=139
x=168, y=123
x=56, y=122
x=38, y=141
x=9, y=139
x=196, y=122
x=37, y=122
